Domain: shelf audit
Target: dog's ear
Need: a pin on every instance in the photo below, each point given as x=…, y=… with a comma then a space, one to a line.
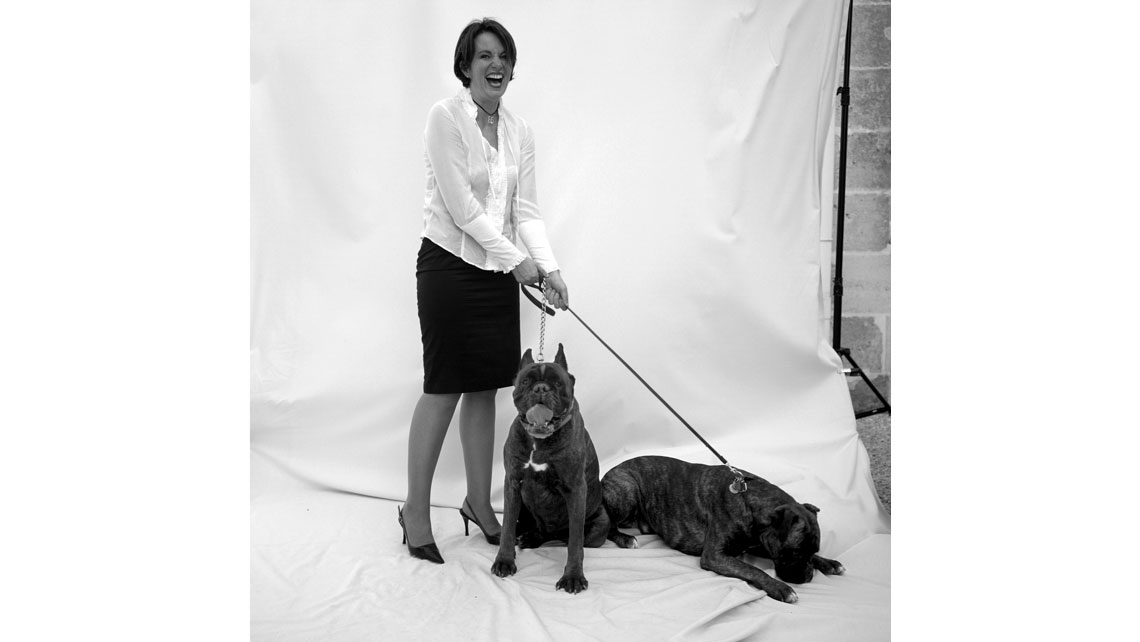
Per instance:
x=814, y=509
x=560, y=358
x=783, y=517
x=527, y=359
x=790, y=524
x=775, y=517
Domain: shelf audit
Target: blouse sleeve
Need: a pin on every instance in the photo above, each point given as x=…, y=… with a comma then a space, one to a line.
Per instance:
x=445, y=148
x=532, y=230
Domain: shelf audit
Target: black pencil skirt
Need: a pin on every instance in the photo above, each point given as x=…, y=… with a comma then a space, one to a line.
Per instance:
x=469, y=323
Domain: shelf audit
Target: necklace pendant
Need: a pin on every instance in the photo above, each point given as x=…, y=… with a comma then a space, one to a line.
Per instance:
x=491, y=121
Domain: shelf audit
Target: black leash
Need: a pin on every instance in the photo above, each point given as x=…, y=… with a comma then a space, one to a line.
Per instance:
x=738, y=484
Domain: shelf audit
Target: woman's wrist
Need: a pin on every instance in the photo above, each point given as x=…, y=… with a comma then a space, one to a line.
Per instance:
x=514, y=263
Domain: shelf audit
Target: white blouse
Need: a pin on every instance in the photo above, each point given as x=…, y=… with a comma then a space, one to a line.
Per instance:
x=481, y=201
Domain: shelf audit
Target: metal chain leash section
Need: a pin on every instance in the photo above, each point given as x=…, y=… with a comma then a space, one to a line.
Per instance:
x=542, y=322
x=738, y=485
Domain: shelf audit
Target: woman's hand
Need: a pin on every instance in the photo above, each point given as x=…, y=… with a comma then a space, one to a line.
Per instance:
x=526, y=272
x=556, y=292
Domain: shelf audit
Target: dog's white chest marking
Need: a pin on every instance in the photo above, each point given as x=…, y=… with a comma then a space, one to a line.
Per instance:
x=538, y=468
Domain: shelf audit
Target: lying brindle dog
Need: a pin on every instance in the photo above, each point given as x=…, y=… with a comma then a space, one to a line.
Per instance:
x=694, y=511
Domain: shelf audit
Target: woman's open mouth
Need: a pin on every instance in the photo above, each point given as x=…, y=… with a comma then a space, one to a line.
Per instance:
x=495, y=80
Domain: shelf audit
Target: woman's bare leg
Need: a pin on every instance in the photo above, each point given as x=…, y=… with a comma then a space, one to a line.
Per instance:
x=430, y=421
x=477, y=434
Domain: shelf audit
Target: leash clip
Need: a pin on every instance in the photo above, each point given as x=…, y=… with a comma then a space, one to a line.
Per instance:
x=738, y=485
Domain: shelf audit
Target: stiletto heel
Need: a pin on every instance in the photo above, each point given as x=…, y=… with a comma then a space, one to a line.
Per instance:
x=429, y=552
x=491, y=539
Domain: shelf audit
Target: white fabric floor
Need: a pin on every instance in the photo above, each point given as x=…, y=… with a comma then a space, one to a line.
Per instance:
x=328, y=565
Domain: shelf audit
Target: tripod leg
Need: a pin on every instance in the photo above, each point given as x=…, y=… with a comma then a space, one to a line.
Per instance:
x=886, y=405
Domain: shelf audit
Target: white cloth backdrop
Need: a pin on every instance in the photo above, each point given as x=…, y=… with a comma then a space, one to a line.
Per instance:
x=685, y=176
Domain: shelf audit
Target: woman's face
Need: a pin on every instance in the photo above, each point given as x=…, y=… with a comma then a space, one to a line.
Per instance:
x=490, y=71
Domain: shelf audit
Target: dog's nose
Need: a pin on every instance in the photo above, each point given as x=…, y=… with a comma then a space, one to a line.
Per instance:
x=541, y=387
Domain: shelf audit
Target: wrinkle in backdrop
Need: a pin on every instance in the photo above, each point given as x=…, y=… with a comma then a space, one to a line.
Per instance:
x=684, y=173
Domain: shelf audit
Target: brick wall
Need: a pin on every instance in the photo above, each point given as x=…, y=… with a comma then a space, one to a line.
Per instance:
x=866, y=322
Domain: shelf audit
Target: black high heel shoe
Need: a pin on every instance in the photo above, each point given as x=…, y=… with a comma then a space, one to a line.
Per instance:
x=491, y=539
x=429, y=552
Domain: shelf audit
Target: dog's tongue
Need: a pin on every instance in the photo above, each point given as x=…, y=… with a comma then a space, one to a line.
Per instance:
x=538, y=415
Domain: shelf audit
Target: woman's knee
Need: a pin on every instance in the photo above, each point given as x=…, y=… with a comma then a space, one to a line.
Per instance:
x=432, y=406
x=441, y=399
x=481, y=396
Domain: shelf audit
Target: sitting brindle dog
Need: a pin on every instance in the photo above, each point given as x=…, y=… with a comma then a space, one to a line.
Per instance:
x=693, y=509
x=552, y=491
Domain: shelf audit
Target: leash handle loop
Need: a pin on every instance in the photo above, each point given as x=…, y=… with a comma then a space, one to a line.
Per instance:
x=530, y=297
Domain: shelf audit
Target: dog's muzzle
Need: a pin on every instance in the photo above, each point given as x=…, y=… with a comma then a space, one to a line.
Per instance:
x=540, y=421
x=799, y=573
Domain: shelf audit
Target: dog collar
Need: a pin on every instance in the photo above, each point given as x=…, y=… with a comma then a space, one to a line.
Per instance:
x=558, y=421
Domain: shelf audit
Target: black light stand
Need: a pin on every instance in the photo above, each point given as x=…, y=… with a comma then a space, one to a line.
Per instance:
x=837, y=286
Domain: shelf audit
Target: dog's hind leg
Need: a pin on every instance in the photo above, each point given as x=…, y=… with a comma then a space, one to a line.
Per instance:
x=619, y=499
x=529, y=535
x=598, y=529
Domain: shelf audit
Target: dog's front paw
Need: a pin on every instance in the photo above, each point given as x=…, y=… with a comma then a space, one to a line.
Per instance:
x=572, y=583
x=624, y=541
x=503, y=567
x=779, y=591
x=826, y=566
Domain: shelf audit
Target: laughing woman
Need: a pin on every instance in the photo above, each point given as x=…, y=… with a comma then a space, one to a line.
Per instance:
x=480, y=204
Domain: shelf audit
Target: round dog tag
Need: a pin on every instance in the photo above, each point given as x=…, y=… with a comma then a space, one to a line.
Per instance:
x=738, y=486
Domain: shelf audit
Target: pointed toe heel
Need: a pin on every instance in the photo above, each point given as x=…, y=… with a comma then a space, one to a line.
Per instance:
x=429, y=552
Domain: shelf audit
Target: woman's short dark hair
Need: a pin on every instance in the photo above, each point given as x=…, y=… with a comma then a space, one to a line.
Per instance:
x=465, y=48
